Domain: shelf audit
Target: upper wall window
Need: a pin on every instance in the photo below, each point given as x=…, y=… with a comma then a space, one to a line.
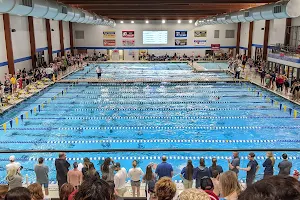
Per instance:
x=79, y=34
x=229, y=34
x=217, y=34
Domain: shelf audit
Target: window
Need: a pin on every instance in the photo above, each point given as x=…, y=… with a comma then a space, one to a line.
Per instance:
x=217, y=34
x=229, y=34
x=79, y=35
x=26, y=3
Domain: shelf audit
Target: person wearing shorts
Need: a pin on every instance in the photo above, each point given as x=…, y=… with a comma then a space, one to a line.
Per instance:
x=135, y=175
x=41, y=172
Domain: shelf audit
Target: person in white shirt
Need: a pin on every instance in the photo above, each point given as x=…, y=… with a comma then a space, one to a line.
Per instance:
x=135, y=174
x=12, y=163
x=49, y=72
x=120, y=180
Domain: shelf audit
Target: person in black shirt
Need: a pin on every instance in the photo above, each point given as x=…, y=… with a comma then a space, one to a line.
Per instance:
x=251, y=169
x=62, y=168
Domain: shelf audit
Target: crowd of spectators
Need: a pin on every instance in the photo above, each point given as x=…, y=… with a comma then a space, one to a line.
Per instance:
x=85, y=182
x=23, y=81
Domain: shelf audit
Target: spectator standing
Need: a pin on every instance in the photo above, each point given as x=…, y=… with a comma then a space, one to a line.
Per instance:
x=285, y=166
x=120, y=180
x=135, y=174
x=14, y=178
x=75, y=176
x=164, y=169
x=201, y=172
x=234, y=163
x=215, y=167
x=62, y=168
x=12, y=163
x=149, y=178
x=3, y=191
x=251, y=169
x=269, y=165
x=41, y=172
x=107, y=169
x=91, y=172
x=65, y=191
x=187, y=175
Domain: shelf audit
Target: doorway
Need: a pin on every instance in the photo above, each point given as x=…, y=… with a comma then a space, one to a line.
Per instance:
x=115, y=54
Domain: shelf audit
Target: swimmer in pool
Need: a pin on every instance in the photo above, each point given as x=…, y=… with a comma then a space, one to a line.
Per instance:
x=218, y=98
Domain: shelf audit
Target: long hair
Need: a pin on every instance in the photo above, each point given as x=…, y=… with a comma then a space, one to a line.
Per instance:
x=11, y=172
x=36, y=191
x=149, y=173
x=271, y=156
x=65, y=191
x=189, y=170
x=91, y=169
x=229, y=183
x=105, y=165
x=214, y=164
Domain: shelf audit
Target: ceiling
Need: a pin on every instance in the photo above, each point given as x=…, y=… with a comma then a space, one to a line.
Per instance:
x=163, y=9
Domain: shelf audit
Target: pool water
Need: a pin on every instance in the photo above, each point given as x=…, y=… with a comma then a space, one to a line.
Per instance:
x=214, y=66
x=149, y=116
x=131, y=71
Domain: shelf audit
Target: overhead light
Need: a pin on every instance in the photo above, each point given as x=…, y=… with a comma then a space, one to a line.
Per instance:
x=147, y=22
x=190, y=21
x=179, y=21
x=163, y=21
x=132, y=22
x=121, y=22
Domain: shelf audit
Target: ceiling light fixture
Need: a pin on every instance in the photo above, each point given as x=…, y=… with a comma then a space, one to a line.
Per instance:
x=190, y=21
x=121, y=22
x=163, y=21
x=147, y=22
x=132, y=22
x=179, y=21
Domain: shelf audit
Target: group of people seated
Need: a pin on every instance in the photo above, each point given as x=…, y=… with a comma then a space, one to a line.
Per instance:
x=212, y=183
x=25, y=81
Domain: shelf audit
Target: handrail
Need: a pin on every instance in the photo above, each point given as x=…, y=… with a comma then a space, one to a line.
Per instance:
x=143, y=150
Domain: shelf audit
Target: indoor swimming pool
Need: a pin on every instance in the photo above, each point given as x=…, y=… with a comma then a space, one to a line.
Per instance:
x=131, y=71
x=130, y=117
x=214, y=66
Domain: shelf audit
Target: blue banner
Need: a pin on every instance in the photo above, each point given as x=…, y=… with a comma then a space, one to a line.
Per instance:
x=180, y=33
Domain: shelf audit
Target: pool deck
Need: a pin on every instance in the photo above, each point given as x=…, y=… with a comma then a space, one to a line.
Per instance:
x=107, y=80
x=34, y=91
x=197, y=68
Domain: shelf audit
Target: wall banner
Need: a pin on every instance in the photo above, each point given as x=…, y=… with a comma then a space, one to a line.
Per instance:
x=215, y=47
x=180, y=33
x=199, y=42
x=109, y=43
x=109, y=34
x=128, y=34
x=180, y=42
x=200, y=33
x=128, y=43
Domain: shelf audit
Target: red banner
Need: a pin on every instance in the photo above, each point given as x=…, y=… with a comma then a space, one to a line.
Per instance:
x=109, y=43
x=128, y=42
x=128, y=34
x=215, y=47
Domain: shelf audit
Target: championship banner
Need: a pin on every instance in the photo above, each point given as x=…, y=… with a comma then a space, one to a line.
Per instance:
x=109, y=43
x=199, y=42
x=215, y=47
x=180, y=42
x=200, y=33
x=180, y=33
x=109, y=34
x=128, y=43
x=128, y=34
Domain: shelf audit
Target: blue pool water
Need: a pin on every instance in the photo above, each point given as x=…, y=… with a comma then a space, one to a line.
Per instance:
x=218, y=66
x=130, y=71
x=149, y=116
